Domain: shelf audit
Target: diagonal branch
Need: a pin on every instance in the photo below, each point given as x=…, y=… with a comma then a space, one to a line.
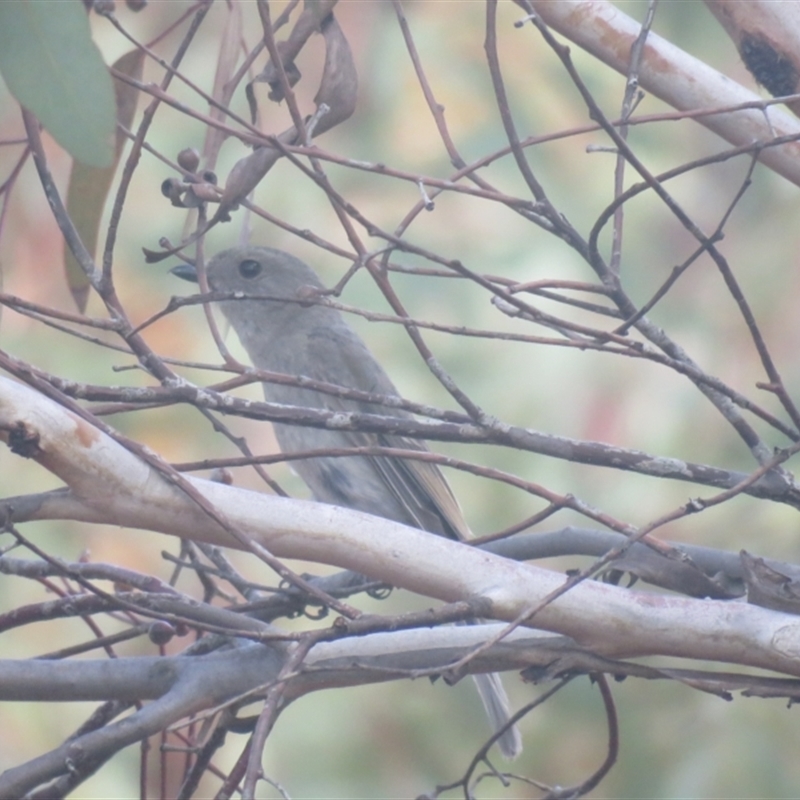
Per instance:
x=111, y=484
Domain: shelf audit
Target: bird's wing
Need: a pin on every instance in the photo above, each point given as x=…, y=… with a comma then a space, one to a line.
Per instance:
x=422, y=489
x=418, y=485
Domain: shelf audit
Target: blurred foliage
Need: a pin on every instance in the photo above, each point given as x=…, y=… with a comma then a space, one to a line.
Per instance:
x=400, y=739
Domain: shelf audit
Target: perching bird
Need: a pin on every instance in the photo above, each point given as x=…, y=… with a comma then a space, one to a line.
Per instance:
x=315, y=341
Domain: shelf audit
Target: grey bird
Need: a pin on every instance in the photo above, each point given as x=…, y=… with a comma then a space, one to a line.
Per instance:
x=315, y=341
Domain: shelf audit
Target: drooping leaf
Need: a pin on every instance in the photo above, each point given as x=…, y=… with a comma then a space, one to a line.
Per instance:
x=339, y=86
x=338, y=92
x=89, y=185
x=247, y=173
x=315, y=12
x=52, y=67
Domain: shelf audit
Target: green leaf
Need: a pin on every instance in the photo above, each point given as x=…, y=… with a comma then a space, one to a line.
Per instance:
x=52, y=67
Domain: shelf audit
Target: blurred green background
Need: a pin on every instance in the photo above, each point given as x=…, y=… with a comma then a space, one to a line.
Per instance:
x=401, y=739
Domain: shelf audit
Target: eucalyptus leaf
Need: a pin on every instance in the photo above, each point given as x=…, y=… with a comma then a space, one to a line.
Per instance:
x=53, y=68
x=89, y=185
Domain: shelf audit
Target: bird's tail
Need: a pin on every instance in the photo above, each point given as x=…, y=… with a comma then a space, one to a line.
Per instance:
x=495, y=701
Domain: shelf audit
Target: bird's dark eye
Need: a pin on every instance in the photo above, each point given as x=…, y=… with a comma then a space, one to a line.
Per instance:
x=249, y=268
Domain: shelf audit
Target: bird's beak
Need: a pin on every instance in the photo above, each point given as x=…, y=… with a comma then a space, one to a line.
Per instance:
x=185, y=271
